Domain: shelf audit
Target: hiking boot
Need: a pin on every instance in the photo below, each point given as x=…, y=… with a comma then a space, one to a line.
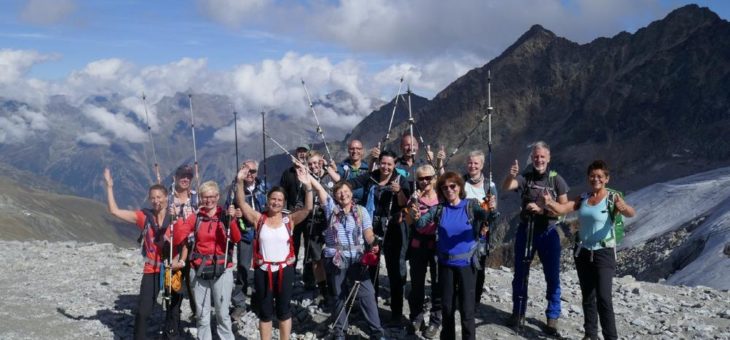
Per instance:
x=590, y=337
x=431, y=332
x=516, y=321
x=552, y=327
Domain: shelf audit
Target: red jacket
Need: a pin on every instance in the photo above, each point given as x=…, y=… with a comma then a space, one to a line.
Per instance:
x=211, y=235
x=152, y=249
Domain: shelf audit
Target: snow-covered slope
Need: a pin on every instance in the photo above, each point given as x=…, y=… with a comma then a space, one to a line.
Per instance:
x=665, y=207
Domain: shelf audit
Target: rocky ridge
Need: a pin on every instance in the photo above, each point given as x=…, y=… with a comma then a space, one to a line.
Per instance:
x=70, y=290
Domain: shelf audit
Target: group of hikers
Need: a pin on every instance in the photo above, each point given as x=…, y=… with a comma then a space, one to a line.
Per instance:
x=420, y=216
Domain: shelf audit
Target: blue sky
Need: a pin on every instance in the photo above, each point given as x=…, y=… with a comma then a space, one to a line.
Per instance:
x=256, y=51
x=163, y=31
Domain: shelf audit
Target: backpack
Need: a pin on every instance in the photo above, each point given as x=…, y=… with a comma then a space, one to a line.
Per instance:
x=617, y=220
x=475, y=225
x=206, y=271
x=144, y=242
x=258, y=258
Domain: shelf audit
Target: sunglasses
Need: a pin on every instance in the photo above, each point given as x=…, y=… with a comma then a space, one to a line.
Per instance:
x=425, y=178
x=451, y=186
x=252, y=171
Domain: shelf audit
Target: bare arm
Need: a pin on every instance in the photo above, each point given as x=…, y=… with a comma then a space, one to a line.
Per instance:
x=624, y=208
x=248, y=211
x=332, y=171
x=321, y=192
x=562, y=206
x=306, y=179
x=125, y=215
x=510, y=183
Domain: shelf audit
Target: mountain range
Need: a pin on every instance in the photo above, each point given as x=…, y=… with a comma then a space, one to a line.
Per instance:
x=654, y=104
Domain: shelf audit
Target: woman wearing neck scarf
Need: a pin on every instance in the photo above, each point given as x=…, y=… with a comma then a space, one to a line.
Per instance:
x=458, y=226
x=273, y=248
x=212, y=234
x=154, y=224
x=479, y=187
x=349, y=231
x=386, y=193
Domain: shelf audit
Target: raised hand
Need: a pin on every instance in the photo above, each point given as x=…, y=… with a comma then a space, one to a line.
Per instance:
x=429, y=153
x=492, y=202
x=108, y=177
x=395, y=187
x=375, y=152
x=231, y=210
x=515, y=169
x=242, y=174
x=621, y=205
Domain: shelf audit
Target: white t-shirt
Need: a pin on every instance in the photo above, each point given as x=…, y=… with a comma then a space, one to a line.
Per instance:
x=274, y=243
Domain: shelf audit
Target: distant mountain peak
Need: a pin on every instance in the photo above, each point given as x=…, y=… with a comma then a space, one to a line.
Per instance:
x=691, y=13
x=536, y=39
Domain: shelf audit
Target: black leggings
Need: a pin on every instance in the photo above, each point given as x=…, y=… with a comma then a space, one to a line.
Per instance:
x=282, y=294
x=595, y=273
x=149, y=288
x=457, y=283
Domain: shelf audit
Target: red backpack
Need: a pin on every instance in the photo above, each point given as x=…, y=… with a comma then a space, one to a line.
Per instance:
x=258, y=258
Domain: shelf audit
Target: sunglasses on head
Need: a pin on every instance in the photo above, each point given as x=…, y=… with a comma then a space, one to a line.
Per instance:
x=425, y=178
x=451, y=186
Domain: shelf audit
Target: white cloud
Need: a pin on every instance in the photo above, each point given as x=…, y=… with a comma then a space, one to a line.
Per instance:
x=47, y=12
x=21, y=124
x=427, y=28
x=93, y=138
x=14, y=64
x=117, y=124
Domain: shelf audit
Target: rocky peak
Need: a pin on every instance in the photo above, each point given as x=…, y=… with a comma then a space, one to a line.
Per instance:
x=534, y=41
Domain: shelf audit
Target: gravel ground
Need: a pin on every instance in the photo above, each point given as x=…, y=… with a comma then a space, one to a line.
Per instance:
x=74, y=290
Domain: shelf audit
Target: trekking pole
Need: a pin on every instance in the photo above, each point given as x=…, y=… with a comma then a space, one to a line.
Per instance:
x=285, y=150
x=233, y=185
x=479, y=123
x=526, y=263
x=195, y=149
x=168, y=271
x=319, y=128
x=412, y=126
x=231, y=198
x=235, y=136
x=152, y=142
x=489, y=135
x=392, y=115
x=351, y=296
x=263, y=143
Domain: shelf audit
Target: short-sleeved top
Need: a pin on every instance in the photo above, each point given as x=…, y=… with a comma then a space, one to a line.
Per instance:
x=345, y=234
x=532, y=185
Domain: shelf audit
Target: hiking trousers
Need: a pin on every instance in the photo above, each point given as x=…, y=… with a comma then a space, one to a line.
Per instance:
x=219, y=290
x=422, y=259
x=148, y=291
x=341, y=281
x=243, y=267
x=546, y=242
x=595, y=273
x=457, y=283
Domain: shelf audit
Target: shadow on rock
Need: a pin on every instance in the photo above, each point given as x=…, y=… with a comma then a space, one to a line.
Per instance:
x=120, y=319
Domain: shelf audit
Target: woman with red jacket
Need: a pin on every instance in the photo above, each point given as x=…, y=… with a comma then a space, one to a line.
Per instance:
x=273, y=252
x=154, y=224
x=211, y=234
